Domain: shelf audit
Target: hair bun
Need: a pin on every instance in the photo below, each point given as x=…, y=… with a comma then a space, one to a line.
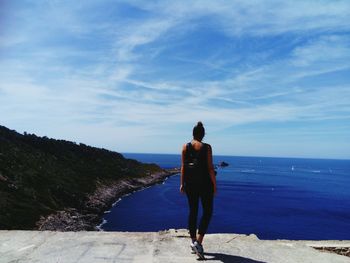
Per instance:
x=198, y=131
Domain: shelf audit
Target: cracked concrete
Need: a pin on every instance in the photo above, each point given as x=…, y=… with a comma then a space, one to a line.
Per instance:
x=164, y=246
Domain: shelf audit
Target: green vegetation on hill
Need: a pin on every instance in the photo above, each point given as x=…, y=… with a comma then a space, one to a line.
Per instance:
x=39, y=176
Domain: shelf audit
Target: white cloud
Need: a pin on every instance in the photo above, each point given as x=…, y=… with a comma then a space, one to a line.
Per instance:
x=326, y=49
x=118, y=87
x=260, y=17
x=131, y=36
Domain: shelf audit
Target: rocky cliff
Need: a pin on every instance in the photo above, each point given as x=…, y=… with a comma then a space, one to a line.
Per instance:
x=43, y=178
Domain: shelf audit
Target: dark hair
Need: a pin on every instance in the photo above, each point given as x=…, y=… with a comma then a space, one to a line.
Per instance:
x=198, y=131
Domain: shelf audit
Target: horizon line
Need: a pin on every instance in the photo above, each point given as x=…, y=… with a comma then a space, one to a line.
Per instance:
x=246, y=156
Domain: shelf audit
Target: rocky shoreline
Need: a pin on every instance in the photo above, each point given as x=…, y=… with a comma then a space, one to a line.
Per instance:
x=90, y=215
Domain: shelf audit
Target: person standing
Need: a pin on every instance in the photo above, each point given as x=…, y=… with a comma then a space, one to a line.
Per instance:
x=199, y=183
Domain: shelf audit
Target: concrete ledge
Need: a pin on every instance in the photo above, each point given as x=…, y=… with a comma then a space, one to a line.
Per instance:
x=165, y=246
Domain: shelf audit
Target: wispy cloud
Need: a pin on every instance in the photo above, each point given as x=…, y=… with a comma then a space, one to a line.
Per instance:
x=136, y=71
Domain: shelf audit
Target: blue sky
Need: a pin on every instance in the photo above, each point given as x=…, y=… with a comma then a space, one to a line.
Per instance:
x=267, y=78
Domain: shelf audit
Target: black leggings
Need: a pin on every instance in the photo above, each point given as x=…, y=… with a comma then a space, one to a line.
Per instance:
x=194, y=193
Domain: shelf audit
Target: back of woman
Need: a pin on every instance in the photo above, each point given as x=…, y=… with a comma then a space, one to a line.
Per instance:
x=199, y=183
x=196, y=164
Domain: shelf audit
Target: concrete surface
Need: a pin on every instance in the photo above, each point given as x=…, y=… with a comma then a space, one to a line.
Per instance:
x=167, y=246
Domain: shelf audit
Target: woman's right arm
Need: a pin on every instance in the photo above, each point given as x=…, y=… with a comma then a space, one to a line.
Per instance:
x=182, y=188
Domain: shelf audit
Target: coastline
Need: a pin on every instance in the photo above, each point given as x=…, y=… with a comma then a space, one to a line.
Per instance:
x=90, y=216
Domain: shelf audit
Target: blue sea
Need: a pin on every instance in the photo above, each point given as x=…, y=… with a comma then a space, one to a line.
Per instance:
x=274, y=198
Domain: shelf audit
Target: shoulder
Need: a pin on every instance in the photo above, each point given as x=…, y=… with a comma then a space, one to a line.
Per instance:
x=184, y=147
x=207, y=146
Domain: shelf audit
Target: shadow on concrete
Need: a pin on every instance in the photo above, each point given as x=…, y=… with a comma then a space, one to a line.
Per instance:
x=229, y=258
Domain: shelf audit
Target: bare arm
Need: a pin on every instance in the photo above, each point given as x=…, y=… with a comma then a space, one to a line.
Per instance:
x=182, y=189
x=211, y=168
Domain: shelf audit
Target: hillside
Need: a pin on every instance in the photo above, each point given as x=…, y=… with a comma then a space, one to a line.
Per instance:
x=40, y=176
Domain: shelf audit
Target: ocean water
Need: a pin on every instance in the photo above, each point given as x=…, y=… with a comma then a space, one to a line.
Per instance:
x=274, y=198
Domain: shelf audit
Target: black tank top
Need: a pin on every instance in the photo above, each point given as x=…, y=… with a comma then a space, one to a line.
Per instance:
x=196, y=165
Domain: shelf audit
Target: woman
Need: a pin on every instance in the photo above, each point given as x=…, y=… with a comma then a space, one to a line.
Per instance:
x=198, y=182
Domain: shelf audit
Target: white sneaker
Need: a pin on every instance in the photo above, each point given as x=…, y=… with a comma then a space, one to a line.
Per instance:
x=198, y=249
x=192, y=245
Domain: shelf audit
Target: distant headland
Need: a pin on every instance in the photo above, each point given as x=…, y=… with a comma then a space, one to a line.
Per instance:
x=50, y=184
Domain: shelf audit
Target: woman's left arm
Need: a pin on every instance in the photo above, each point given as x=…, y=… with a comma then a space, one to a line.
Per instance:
x=211, y=167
